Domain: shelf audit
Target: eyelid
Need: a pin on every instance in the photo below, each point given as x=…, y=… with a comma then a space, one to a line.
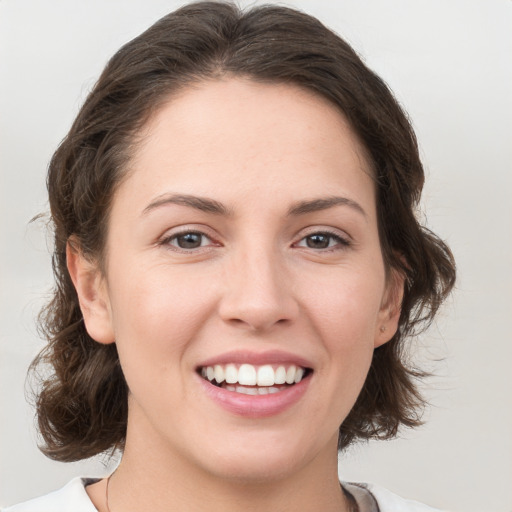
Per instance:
x=345, y=240
x=330, y=230
x=173, y=233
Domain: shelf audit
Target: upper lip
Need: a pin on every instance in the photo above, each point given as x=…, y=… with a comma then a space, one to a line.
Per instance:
x=256, y=358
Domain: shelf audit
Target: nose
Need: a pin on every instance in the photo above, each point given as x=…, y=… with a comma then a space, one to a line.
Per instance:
x=258, y=294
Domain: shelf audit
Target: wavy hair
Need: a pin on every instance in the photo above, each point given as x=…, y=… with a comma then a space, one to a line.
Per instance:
x=82, y=403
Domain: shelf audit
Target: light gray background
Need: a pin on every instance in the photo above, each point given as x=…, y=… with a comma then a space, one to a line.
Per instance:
x=449, y=63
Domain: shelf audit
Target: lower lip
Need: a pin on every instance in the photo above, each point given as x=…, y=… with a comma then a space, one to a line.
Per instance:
x=256, y=406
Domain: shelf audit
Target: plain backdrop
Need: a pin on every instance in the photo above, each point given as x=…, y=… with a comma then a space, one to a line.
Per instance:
x=449, y=64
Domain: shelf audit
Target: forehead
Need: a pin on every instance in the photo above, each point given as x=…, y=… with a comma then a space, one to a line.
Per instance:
x=220, y=136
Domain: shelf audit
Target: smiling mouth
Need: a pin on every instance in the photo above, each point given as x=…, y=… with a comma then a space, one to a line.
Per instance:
x=249, y=379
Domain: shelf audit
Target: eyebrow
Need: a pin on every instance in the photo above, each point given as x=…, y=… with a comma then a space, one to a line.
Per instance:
x=207, y=205
x=315, y=205
x=199, y=203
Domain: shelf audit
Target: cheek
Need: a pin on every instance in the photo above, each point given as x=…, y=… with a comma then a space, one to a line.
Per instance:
x=344, y=310
x=156, y=315
x=343, y=321
x=345, y=306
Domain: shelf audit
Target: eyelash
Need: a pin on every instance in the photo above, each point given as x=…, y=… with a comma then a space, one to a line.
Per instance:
x=168, y=241
x=340, y=242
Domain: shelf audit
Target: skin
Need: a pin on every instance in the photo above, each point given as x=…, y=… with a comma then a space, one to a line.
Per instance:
x=255, y=283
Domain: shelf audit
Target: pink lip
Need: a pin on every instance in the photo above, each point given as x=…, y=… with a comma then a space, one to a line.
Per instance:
x=256, y=358
x=255, y=406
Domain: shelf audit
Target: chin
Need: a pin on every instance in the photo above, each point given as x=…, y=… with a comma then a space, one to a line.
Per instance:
x=259, y=460
x=257, y=470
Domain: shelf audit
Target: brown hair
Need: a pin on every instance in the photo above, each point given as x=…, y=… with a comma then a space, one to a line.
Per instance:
x=82, y=404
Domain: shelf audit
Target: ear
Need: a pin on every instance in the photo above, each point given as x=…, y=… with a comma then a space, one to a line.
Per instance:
x=92, y=294
x=391, y=307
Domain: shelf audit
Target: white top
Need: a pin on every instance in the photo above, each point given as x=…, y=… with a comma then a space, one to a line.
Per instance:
x=74, y=498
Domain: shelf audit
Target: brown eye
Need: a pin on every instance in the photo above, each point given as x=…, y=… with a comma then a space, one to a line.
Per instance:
x=318, y=241
x=322, y=241
x=189, y=240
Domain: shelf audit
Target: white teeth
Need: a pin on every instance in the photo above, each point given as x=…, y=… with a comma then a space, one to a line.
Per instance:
x=219, y=373
x=253, y=391
x=246, y=391
x=290, y=375
x=247, y=375
x=265, y=376
x=280, y=377
x=231, y=374
x=298, y=375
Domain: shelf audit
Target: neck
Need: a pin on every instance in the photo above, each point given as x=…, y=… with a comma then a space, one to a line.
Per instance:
x=160, y=480
x=133, y=488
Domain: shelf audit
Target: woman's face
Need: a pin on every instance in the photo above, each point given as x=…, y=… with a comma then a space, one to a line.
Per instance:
x=243, y=245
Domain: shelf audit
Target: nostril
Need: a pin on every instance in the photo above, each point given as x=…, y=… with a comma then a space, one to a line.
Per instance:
x=258, y=319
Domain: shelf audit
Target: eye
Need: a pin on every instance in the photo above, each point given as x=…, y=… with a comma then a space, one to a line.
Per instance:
x=188, y=240
x=322, y=240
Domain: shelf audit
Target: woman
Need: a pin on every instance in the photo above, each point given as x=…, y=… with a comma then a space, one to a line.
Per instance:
x=238, y=267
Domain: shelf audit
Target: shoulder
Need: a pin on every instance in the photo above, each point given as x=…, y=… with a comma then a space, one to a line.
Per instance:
x=384, y=500
x=72, y=496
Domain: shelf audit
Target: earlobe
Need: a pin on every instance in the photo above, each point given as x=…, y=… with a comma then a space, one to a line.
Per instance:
x=391, y=308
x=92, y=294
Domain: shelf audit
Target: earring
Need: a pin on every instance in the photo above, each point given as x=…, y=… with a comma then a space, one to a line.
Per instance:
x=382, y=328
